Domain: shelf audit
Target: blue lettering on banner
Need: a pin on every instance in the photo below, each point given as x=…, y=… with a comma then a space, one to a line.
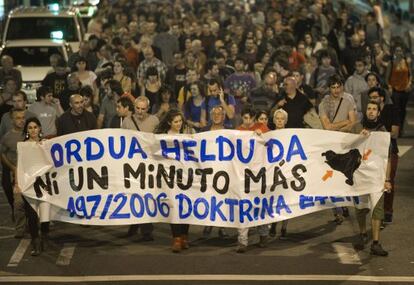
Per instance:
x=122, y=206
x=216, y=209
x=310, y=201
x=189, y=153
x=94, y=150
x=203, y=152
x=201, y=212
x=56, y=152
x=165, y=150
x=270, y=155
x=247, y=210
x=89, y=141
x=221, y=141
x=135, y=147
x=181, y=199
x=240, y=151
x=73, y=152
x=295, y=148
x=232, y=204
x=112, y=152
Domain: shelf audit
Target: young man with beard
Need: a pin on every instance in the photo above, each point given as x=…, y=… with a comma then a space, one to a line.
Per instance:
x=389, y=117
x=372, y=123
x=124, y=109
x=356, y=84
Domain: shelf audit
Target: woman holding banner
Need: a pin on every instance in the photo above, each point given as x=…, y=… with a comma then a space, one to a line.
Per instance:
x=249, y=124
x=280, y=118
x=33, y=133
x=173, y=123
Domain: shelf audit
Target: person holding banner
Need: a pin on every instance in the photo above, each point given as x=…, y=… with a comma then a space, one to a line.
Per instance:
x=280, y=118
x=141, y=121
x=33, y=133
x=372, y=123
x=337, y=112
x=249, y=124
x=218, y=117
x=389, y=117
x=173, y=123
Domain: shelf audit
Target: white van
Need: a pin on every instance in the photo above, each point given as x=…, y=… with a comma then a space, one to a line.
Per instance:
x=49, y=22
x=31, y=57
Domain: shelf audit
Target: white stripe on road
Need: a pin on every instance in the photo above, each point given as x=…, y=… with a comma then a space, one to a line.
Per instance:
x=209, y=277
x=19, y=253
x=346, y=253
x=66, y=254
x=6, y=237
x=403, y=149
x=7, y=228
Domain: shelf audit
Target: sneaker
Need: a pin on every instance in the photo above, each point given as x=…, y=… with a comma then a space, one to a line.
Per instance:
x=376, y=249
x=263, y=241
x=207, y=231
x=382, y=225
x=241, y=248
x=388, y=219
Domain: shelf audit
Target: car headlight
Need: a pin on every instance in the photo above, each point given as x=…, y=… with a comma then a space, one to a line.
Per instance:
x=31, y=85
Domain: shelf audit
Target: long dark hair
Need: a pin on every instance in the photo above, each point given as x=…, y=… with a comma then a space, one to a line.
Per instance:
x=26, y=125
x=166, y=120
x=201, y=89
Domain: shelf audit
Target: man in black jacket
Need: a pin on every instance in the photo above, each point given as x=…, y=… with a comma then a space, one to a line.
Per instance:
x=76, y=119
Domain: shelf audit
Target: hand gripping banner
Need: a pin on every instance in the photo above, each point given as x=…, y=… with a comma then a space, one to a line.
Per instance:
x=222, y=178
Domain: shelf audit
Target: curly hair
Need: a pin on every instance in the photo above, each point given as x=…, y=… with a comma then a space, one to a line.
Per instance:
x=166, y=120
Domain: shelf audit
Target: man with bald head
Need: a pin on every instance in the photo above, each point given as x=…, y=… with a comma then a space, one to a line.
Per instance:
x=295, y=103
x=7, y=70
x=76, y=118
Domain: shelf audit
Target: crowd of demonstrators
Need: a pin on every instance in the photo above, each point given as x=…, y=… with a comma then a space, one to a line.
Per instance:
x=212, y=65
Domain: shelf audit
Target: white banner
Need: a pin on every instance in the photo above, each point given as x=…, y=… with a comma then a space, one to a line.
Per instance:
x=223, y=178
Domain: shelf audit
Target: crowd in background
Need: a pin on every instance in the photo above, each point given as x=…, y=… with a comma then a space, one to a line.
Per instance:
x=194, y=66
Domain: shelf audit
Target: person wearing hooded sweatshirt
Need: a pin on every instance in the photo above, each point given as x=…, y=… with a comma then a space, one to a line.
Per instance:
x=356, y=84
